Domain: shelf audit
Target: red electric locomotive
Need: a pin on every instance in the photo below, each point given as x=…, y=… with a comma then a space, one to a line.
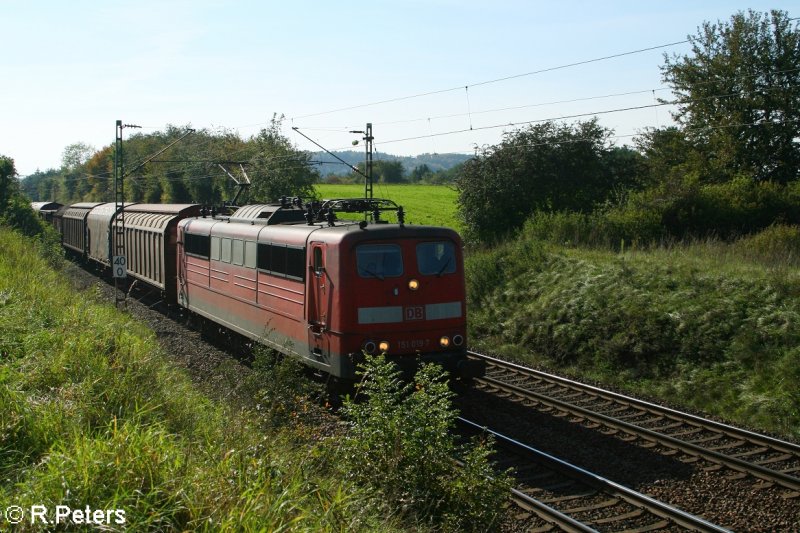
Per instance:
x=325, y=290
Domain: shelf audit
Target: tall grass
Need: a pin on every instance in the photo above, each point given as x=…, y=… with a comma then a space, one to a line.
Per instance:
x=94, y=415
x=708, y=324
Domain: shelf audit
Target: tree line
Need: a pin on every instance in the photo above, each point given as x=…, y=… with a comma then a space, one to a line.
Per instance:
x=729, y=167
x=197, y=169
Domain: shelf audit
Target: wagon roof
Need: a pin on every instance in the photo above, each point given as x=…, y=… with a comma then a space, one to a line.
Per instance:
x=45, y=206
x=166, y=209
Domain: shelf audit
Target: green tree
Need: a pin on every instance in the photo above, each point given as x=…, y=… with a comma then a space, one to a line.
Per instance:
x=383, y=171
x=739, y=95
x=276, y=168
x=15, y=209
x=8, y=179
x=668, y=154
x=420, y=173
x=389, y=171
x=546, y=167
x=75, y=155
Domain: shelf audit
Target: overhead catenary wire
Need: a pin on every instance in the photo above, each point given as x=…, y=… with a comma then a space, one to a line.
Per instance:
x=342, y=129
x=105, y=175
x=492, y=81
x=207, y=141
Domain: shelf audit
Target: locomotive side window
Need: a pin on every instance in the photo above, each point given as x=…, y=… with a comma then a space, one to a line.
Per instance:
x=282, y=260
x=278, y=259
x=379, y=261
x=296, y=263
x=197, y=244
x=238, y=252
x=250, y=254
x=215, y=248
x=318, y=260
x=436, y=258
x=264, y=260
x=226, y=250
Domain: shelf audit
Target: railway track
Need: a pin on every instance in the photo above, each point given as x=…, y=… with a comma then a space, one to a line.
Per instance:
x=563, y=495
x=773, y=461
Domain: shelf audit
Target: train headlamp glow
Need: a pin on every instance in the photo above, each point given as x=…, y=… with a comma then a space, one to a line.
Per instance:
x=413, y=284
x=384, y=346
x=444, y=342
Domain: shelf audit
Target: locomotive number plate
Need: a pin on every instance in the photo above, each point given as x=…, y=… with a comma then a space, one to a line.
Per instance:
x=414, y=344
x=414, y=312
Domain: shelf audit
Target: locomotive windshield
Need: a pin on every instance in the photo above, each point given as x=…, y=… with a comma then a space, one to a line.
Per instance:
x=379, y=261
x=436, y=258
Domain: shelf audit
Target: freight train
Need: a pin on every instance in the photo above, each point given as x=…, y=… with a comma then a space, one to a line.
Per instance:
x=293, y=276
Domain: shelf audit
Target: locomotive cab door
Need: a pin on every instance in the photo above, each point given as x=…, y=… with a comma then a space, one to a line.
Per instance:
x=319, y=292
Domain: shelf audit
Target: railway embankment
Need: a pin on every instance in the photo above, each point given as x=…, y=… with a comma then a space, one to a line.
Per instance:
x=95, y=413
x=709, y=326
x=136, y=421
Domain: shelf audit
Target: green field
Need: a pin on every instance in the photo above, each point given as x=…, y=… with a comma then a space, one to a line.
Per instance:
x=433, y=205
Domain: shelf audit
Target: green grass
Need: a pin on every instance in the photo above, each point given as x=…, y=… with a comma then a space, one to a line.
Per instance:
x=94, y=415
x=432, y=205
x=706, y=325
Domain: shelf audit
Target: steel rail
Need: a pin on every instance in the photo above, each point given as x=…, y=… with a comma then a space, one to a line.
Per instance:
x=728, y=430
x=637, y=499
x=548, y=514
x=734, y=463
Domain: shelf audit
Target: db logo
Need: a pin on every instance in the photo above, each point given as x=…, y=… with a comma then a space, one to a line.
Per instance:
x=415, y=312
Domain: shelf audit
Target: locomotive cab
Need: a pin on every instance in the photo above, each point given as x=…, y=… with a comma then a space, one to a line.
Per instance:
x=392, y=288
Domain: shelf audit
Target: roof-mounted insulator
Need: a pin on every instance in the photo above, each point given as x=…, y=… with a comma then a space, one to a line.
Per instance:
x=401, y=215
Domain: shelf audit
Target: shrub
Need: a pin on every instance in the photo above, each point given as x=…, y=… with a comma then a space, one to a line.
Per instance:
x=280, y=387
x=401, y=443
x=673, y=211
x=779, y=244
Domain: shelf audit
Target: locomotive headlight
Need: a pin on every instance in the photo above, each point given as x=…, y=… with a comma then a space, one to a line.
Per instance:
x=413, y=284
x=369, y=347
x=384, y=346
x=444, y=342
x=458, y=340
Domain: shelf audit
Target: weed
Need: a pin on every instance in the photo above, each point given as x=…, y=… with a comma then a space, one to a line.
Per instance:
x=401, y=443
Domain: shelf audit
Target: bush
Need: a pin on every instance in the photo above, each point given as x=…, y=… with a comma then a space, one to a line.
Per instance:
x=675, y=211
x=280, y=387
x=401, y=443
x=546, y=166
x=779, y=244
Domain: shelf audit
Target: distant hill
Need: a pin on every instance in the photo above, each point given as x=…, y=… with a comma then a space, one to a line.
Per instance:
x=329, y=165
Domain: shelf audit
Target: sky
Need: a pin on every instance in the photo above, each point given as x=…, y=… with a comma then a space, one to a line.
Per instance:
x=432, y=76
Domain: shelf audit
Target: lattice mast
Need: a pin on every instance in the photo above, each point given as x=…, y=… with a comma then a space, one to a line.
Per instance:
x=119, y=227
x=119, y=266
x=368, y=163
